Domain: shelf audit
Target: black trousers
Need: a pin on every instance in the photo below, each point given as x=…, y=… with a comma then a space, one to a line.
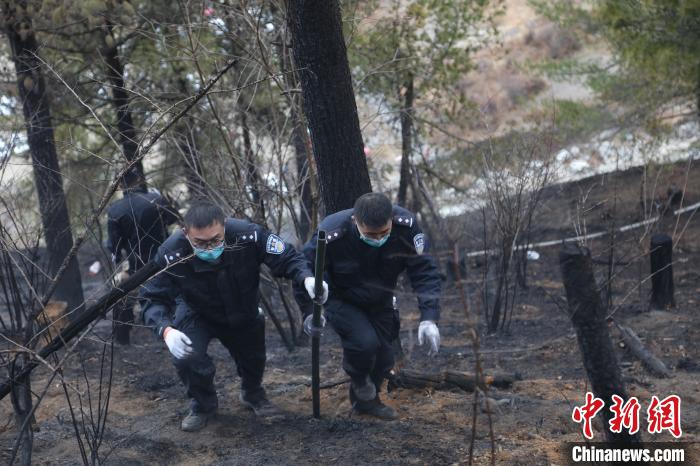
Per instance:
x=246, y=344
x=123, y=318
x=366, y=336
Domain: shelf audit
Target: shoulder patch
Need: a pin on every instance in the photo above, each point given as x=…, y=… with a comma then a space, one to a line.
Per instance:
x=403, y=220
x=419, y=243
x=332, y=235
x=274, y=245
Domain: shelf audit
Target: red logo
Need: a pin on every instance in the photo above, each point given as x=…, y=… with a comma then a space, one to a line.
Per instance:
x=625, y=415
x=661, y=415
x=587, y=412
x=665, y=415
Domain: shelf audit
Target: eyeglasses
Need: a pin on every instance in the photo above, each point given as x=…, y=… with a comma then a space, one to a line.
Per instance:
x=210, y=244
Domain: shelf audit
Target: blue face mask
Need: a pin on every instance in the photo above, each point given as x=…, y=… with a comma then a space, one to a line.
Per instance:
x=375, y=243
x=209, y=255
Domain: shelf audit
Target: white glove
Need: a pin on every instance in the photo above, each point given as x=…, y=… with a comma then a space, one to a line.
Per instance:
x=178, y=343
x=309, y=328
x=95, y=268
x=120, y=278
x=428, y=330
x=310, y=284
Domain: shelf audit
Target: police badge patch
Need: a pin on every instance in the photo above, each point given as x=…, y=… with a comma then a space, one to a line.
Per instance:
x=419, y=242
x=275, y=245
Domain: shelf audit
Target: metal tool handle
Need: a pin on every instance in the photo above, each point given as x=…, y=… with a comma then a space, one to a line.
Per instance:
x=316, y=319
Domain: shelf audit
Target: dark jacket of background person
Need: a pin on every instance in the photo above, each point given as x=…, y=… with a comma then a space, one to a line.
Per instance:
x=137, y=224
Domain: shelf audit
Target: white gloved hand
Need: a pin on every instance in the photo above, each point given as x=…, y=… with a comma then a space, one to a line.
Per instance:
x=310, y=284
x=95, y=268
x=428, y=330
x=309, y=328
x=178, y=343
x=121, y=277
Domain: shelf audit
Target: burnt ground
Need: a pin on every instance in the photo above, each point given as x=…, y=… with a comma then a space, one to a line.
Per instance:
x=147, y=401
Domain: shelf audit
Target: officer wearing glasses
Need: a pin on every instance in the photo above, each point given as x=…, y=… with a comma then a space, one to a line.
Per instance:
x=368, y=246
x=213, y=264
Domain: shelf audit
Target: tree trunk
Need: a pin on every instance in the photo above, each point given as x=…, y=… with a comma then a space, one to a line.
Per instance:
x=307, y=189
x=661, y=257
x=329, y=102
x=587, y=315
x=120, y=100
x=47, y=174
x=306, y=205
x=22, y=404
x=252, y=174
x=497, y=313
x=187, y=144
x=406, y=141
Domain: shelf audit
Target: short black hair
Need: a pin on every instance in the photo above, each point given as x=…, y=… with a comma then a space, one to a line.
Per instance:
x=373, y=210
x=203, y=213
x=132, y=179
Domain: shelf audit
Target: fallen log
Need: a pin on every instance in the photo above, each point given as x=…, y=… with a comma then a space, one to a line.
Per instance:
x=407, y=378
x=637, y=348
x=468, y=382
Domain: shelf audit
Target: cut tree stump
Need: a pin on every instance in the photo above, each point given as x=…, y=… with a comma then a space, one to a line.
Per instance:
x=661, y=257
x=588, y=316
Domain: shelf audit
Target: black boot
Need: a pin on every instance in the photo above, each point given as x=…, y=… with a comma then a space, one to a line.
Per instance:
x=373, y=407
x=258, y=402
x=364, y=389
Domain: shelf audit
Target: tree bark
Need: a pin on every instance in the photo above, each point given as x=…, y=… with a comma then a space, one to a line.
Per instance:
x=329, y=103
x=22, y=404
x=661, y=257
x=406, y=141
x=187, y=144
x=587, y=315
x=252, y=174
x=120, y=100
x=47, y=173
x=306, y=206
x=306, y=173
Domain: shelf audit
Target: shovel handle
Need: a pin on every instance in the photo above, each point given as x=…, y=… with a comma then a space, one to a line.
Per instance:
x=316, y=319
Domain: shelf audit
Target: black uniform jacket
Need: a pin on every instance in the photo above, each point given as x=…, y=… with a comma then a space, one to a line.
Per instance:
x=137, y=223
x=366, y=276
x=225, y=292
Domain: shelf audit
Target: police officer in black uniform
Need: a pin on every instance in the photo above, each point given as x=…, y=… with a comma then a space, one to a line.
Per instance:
x=137, y=224
x=367, y=248
x=213, y=264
